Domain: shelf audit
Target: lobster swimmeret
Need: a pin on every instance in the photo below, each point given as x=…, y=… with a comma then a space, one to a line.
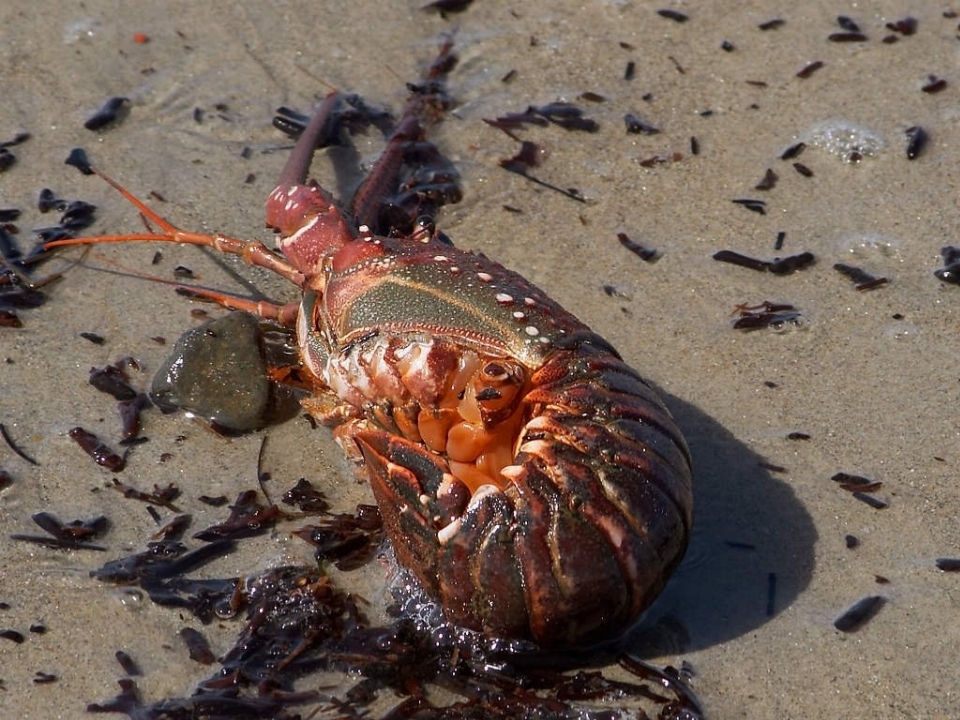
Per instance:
x=531, y=480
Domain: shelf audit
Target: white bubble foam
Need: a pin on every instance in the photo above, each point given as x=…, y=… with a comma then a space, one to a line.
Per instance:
x=845, y=140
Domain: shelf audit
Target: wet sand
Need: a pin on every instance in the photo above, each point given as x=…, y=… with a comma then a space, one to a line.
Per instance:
x=871, y=377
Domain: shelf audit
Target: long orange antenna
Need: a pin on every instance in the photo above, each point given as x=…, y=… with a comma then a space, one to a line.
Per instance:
x=253, y=252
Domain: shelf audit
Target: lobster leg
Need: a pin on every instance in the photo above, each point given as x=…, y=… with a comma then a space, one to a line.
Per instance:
x=427, y=102
x=285, y=315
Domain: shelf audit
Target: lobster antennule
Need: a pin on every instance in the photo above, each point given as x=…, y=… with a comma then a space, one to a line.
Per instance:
x=322, y=230
x=309, y=224
x=297, y=167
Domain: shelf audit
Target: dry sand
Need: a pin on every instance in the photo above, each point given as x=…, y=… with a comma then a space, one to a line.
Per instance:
x=872, y=378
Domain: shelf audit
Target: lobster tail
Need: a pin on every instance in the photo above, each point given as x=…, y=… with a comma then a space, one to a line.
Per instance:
x=602, y=452
x=594, y=518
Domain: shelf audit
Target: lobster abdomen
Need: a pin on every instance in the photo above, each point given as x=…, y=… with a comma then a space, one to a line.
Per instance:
x=594, y=517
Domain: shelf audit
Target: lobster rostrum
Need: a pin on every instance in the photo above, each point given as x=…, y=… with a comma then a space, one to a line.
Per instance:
x=534, y=483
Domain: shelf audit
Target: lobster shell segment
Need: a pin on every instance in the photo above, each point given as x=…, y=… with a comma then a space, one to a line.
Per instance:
x=593, y=518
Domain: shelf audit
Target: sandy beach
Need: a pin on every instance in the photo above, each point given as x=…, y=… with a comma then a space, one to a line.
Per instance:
x=859, y=382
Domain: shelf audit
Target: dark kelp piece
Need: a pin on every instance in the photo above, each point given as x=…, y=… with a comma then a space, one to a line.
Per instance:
x=859, y=614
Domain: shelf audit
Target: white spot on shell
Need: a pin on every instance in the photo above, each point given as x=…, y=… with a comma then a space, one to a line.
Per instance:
x=364, y=229
x=531, y=331
x=484, y=277
x=519, y=315
x=441, y=258
x=504, y=299
x=529, y=301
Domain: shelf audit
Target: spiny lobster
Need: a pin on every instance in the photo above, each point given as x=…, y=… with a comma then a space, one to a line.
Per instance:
x=532, y=481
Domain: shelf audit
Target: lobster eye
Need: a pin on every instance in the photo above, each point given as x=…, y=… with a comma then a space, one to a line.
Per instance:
x=425, y=224
x=495, y=371
x=423, y=229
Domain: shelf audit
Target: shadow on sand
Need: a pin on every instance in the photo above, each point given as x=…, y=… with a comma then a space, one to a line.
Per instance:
x=750, y=554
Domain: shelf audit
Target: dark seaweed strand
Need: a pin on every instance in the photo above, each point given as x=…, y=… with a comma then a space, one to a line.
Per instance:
x=848, y=24
x=128, y=664
x=108, y=113
x=810, y=69
x=863, y=279
x=741, y=260
x=845, y=37
x=646, y=254
x=874, y=502
x=916, y=141
x=934, y=85
x=569, y=192
x=787, y=265
x=860, y=613
x=768, y=182
x=674, y=15
x=691, y=704
x=793, y=151
x=757, y=206
x=772, y=24
x=78, y=159
x=13, y=446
